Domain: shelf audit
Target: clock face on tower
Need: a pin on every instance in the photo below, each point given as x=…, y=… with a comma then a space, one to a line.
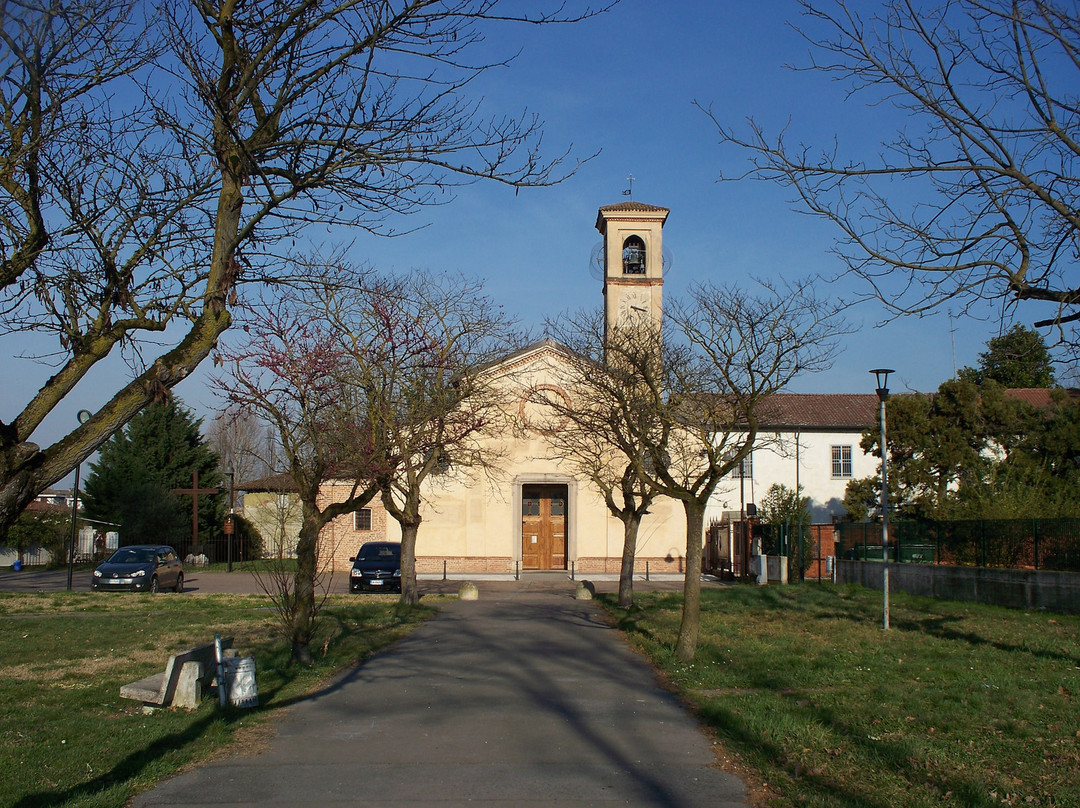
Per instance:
x=634, y=305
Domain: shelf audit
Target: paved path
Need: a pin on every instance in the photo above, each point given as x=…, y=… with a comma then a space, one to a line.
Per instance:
x=523, y=698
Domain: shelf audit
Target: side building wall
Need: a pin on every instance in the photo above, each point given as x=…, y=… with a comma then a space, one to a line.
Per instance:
x=277, y=517
x=341, y=537
x=798, y=458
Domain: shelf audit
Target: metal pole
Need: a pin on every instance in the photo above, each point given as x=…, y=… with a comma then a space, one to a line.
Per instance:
x=882, y=376
x=798, y=504
x=884, y=515
x=232, y=511
x=74, y=526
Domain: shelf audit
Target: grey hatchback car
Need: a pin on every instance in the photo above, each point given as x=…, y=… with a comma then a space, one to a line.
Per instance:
x=141, y=568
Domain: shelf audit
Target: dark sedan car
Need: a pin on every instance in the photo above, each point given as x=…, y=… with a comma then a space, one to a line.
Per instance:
x=141, y=568
x=376, y=566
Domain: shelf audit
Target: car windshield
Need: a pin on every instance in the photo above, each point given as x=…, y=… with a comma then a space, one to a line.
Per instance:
x=378, y=553
x=132, y=555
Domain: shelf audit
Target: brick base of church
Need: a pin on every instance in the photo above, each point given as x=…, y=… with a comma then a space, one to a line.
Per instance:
x=466, y=565
x=456, y=565
x=642, y=566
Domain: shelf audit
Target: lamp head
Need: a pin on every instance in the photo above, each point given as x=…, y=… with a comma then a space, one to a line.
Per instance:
x=881, y=375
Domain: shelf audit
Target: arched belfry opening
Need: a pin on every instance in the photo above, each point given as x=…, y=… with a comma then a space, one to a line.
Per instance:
x=633, y=256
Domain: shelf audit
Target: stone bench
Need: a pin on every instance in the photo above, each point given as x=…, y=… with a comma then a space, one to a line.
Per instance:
x=181, y=683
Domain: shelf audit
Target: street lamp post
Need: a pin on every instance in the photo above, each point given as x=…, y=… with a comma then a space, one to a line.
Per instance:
x=881, y=375
x=230, y=525
x=83, y=416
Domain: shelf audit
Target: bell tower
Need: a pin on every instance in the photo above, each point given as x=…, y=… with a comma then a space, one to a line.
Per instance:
x=633, y=262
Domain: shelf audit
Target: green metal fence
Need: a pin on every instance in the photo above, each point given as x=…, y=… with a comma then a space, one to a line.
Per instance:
x=784, y=540
x=1046, y=544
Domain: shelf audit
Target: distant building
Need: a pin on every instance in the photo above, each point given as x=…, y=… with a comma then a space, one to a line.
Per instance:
x=60, y=497
x=272, y=506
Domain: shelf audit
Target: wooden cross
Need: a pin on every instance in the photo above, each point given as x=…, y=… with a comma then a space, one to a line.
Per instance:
x=194, y=491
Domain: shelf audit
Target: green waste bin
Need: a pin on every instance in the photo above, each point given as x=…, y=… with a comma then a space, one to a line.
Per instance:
x=918, y=553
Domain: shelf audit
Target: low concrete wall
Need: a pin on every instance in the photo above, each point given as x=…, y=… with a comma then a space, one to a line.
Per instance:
x=1018, y=589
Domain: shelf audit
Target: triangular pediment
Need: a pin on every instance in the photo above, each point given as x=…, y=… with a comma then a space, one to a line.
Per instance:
x=544, y=357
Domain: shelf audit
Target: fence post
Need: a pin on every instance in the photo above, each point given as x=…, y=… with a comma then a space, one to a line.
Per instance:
x=646, y=570
x=573, y=570
x=982, y=542
x=444, y=569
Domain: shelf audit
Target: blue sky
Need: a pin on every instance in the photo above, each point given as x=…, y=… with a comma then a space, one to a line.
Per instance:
x=624, y=85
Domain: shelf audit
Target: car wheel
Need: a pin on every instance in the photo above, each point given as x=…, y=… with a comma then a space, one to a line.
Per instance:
x=155, y=586
x=179, y=583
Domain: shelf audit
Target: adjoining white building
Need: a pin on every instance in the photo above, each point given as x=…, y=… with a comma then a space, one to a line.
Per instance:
x=808, y=441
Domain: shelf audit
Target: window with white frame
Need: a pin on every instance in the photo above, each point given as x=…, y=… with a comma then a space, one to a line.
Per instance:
x=841, y=462
x=745, y=469
x=362, y=519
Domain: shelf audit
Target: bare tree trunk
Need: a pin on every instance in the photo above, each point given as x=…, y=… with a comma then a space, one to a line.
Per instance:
x=626, y=573
x=410, y=592
x=303, y=621
x=686, y=646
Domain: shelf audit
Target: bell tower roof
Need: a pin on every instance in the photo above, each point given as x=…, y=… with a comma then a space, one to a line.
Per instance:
x=637, y=210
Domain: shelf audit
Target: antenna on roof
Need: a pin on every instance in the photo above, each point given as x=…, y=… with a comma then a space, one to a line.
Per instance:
x=629, y=191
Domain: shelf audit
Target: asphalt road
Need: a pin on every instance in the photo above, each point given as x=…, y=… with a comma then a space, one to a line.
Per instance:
x=35, y=580
x=526, y=697
x=241, y=582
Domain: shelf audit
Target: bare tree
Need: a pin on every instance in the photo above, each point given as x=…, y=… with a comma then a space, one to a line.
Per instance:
x=686, y=399
x=420, y=345
x=243, y=442
x=975, y=198
x=596, y=431
x=155, y=160
x=294, y=371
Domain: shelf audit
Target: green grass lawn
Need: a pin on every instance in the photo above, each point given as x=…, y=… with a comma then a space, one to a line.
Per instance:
x=957, y=705
x=66, y=736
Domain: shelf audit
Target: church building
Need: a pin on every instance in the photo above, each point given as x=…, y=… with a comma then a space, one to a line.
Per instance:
x=532, y=514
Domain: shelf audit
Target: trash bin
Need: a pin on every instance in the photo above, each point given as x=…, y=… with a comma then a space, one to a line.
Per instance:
x=17, y=566
x=241, y=687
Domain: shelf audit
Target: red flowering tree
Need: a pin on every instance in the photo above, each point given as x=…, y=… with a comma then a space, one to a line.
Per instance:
x=294, y=372
x=375, y=380
x=420, y=344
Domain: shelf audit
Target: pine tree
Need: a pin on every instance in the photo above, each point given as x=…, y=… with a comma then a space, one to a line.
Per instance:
x=1018, y=358
x=132, y=482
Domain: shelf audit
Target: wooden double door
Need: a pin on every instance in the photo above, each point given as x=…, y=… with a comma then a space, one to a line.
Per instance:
x=543, y=527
